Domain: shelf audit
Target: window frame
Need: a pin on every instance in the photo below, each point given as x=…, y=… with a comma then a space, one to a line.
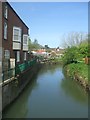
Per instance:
x=25, y=35
x=5, y=30
x=18, y=56
x=19, y=36
x=6, y=11
x=25, y=56
x=7, y=54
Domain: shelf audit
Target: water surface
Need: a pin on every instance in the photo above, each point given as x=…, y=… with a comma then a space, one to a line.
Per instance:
x=50, y=95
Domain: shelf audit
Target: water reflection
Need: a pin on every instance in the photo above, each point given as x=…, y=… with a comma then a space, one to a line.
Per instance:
x=20, y=106
x=74, y=90
x=50, y=95
x=49, y=68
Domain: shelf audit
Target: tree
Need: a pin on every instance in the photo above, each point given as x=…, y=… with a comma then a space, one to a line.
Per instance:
x=73, y=39
x=84, y=49
x=35, y=41
x=30, y=44
x=71, y=55
x=76, y=53
x=33, y=45
x=46, y=46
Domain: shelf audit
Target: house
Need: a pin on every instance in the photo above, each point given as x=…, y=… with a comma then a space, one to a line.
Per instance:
x=13, y=37
x=58, y=52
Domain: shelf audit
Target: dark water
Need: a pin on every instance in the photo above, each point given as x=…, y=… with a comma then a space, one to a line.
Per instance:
x=50, y=95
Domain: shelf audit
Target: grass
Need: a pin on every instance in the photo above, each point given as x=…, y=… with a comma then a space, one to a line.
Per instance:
x=80, y=68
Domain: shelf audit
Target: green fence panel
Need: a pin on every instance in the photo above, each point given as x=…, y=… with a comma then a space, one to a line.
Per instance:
x=18, y=69
x=22, y=67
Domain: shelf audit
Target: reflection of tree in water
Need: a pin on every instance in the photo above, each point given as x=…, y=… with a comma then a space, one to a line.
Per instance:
x=49, y=68
x=19, y=108
x=74, y=90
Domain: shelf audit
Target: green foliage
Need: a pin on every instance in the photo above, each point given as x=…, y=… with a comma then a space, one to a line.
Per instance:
x=34, y=45
x=80, y=68
x=30, y=45
x=75, y=54
x=83, y=49
x=71, y=55
x=46, y=46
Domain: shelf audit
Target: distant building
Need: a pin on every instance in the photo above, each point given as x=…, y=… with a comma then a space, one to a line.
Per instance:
x=13, y=37
x=57, y=52
x=41, y=51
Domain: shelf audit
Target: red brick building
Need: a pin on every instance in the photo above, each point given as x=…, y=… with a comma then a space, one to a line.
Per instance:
x=13, y=37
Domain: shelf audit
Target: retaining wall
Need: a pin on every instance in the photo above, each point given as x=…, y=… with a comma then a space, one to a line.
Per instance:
x=13, y=89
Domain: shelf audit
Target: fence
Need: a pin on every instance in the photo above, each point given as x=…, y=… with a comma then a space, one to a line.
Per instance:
x=22, y=67
x=17, y=70
x=8, y=74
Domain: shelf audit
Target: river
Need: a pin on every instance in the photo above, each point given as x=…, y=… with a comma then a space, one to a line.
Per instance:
x=50, y=95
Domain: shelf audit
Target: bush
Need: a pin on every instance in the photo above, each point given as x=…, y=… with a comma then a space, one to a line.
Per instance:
x=76, y=53
x=71, y=55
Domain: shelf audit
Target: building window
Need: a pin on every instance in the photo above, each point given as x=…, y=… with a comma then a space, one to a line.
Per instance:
x=5, y=11
x=25, y=57
x=25, y=39
x=18, y=56
x=17, y=34
x=7, y=54
x=5, y=30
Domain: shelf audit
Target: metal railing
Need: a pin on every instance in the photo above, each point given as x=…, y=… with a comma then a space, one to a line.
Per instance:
x=7, y=74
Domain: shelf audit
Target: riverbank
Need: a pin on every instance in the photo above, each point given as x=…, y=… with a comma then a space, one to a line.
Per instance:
x=52, y=61
x=79, y=72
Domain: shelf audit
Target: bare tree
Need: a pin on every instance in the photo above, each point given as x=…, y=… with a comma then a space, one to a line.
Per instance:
x=73, y=39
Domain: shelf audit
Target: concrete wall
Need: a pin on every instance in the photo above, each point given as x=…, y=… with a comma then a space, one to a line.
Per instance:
x=0, y=59
x=12, y=90
x=0, y=40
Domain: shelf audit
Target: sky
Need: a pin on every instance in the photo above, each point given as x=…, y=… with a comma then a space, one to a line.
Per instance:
x=49, y=21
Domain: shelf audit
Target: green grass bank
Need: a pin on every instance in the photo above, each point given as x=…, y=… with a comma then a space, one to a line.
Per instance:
x=79, y=72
